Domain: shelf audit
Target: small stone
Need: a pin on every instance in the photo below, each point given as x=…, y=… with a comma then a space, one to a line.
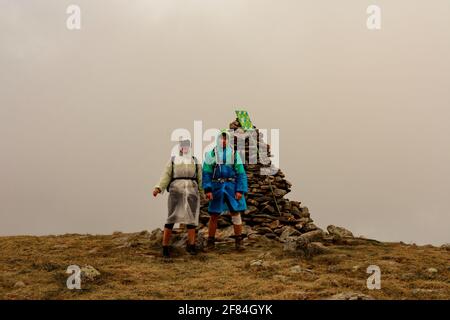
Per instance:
x=144, y=233
x=279, y=193
x=422, y=291
x=296, y=269
x=290, y=244
x=265, y=255
x=432, y=270
x=19, y=284
x=339, y=232
x=315, y=248
x=251, y=210
x=271, y=235
x=257, y=263
x=350, y=296
x=297, y=295
x=89, y=273
x=274, y=224
x=288, y=232
x=309, y=227
x=312, y=236
x=263, y=230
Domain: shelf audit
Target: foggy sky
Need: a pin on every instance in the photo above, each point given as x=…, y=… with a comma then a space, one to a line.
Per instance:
x=86, y=116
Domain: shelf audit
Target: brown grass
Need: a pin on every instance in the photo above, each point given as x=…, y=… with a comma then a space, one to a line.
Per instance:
x=138, y=272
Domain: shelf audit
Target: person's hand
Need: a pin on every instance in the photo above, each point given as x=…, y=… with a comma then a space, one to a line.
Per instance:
x=156, y=191
x=209, y=196
x=238, y=196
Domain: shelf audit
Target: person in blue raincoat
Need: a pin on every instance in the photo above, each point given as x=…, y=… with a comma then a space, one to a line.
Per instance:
x=225, y=184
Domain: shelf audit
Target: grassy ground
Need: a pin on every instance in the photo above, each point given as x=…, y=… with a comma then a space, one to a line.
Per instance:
x=34, y=268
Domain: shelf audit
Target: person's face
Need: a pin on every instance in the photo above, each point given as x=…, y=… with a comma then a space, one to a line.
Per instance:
x=224, y=141
x=184, y=150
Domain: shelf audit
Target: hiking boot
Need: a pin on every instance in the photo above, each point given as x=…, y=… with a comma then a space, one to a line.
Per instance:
x=210, y=245
x=165, y=252
x=239, y=243
x=191, y=249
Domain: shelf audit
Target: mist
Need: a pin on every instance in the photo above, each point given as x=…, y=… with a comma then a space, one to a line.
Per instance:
x=86, y=115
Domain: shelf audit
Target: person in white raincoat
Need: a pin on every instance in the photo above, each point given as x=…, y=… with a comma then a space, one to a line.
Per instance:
x=182, y=177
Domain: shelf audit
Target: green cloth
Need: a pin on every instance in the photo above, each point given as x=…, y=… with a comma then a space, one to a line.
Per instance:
x=244, y=119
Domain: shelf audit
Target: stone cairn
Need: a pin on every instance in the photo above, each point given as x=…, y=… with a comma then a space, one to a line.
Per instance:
x=270, y=214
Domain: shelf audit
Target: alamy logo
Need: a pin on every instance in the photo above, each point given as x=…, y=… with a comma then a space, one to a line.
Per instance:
x=73, y=21
x=74, y=280
x=374, y=280
x=374, y=19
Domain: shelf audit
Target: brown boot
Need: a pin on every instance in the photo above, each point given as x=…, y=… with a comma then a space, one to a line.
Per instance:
x=239, y=243
x=191, y=249
x=211, y=244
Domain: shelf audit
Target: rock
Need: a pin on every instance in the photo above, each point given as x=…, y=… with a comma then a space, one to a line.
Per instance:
x=446, y=246
x=423, y=291
x=271, y=235
x=144, y=233
x=274, y=224
x=316, y=248
x=302, y=245
x=296, y=269
x=297, y=295
x=290, y=244
x=432, y=270
x=268, y=208
x=265, y=255
x=295, y=211
x=309, y=226
x=339, y=232
x=89, y=273
x=225, y=233
x=179, y=241
x=251, y=210
x=299, y=226
x=350, y=296
x=263, y=230
x=313, y=236
x=288, y=232
x=19, y=284
x=279, y=193
x=259, y=263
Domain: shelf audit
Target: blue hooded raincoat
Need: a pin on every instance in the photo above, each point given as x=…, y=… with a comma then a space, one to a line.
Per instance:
x=230, y=166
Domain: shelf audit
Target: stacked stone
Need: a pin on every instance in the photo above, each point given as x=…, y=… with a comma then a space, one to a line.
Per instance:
x=269, y=213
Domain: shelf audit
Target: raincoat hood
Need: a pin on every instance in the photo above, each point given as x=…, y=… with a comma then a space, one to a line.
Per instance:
x=219, y=137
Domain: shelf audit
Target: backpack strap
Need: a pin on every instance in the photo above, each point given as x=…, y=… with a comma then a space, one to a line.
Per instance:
x=196, y=167
x=217, y=164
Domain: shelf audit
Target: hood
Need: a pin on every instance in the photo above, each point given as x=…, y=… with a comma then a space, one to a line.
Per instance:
x=219, y=136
